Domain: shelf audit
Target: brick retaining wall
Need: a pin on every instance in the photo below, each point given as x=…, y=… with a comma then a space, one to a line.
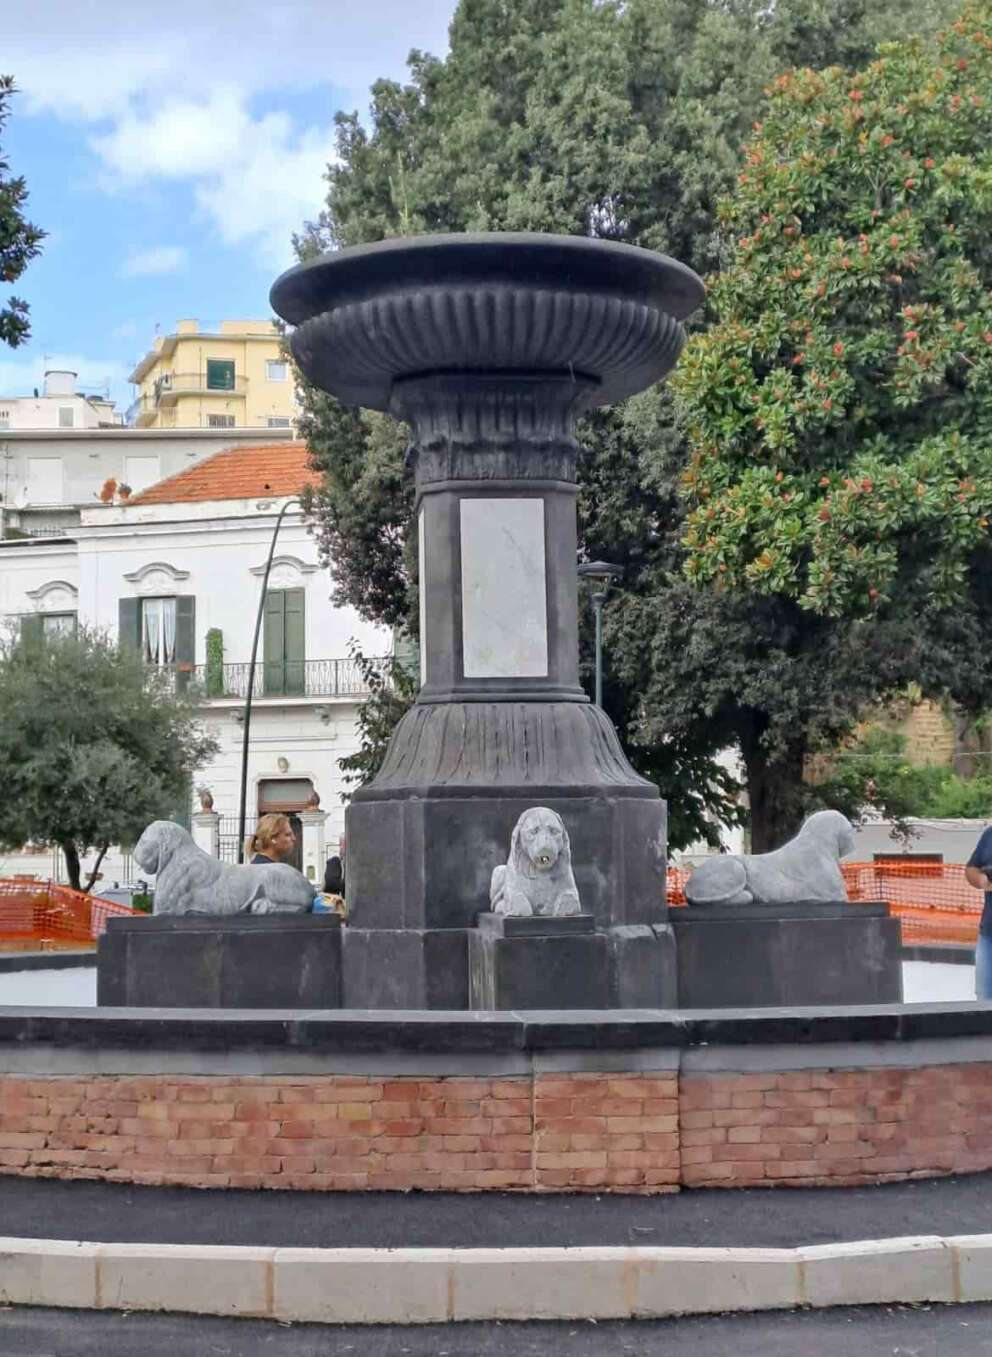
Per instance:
x=642, y=1132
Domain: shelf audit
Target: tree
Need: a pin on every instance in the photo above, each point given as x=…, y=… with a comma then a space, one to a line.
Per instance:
x=20, y=241
x=93, y=747
x=839, y=411
x=621, y=120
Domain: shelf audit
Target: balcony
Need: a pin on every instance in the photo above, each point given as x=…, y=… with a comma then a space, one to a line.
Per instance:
x=169, y=388
x=297, y=679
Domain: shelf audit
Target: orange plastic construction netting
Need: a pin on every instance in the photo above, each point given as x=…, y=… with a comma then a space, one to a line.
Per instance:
x=42, y=916
x=932, y=900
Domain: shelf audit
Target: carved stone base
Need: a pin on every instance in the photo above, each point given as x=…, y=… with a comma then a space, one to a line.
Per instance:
x=426, y=862
x=786, y=955
x=405, y=967
x=538, y=963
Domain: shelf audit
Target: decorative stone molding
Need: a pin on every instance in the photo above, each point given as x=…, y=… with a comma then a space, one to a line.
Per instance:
x=287, y=562
x=57, y=596
x=155, y=578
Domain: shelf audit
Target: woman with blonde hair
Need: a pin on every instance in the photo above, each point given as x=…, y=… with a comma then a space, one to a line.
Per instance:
x=272, y=840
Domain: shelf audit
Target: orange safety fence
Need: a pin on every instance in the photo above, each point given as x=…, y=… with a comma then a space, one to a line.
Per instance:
x=932, y=900
x=42, y=916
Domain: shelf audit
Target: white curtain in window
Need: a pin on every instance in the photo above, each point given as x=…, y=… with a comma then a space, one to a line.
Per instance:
x=158, y=630
x=168, y=630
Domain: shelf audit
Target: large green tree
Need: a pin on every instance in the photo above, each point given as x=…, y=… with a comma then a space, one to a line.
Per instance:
x=20, y=241
x=622, y=120
x=92, y=746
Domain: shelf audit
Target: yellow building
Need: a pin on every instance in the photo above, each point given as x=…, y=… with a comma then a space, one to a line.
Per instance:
x=236, y=377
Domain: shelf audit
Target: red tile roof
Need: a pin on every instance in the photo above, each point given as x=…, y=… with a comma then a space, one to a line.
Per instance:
x=274, y=469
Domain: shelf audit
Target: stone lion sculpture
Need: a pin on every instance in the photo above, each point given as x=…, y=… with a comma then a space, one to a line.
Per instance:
x=805, y=868
x=537, y=878
x=190, y=881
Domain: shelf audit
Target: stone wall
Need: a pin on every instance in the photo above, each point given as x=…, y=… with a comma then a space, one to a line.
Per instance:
x=606, y=1130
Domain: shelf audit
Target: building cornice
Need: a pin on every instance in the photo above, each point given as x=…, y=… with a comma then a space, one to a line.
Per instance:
x=127, y=431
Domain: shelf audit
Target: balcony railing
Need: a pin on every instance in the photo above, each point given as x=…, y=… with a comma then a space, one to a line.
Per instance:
x=167, y=389
x=285, y=678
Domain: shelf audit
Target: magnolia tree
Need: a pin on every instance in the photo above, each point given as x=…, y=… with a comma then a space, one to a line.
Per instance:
x=839, y=410
x=92, y=746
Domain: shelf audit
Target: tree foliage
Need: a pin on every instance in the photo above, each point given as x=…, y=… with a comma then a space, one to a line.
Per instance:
x=624, y=121
x=93, y=747
x=20, y=241
x=840, y=411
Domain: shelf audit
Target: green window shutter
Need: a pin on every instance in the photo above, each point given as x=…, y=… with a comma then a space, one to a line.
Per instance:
x=284, y=642
x=32, y=628
x=274, y=643
x=185, y=640
x=129, y=623
x=295, y=640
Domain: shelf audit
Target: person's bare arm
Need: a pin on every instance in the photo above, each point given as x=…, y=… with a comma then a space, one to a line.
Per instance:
x=978, y=878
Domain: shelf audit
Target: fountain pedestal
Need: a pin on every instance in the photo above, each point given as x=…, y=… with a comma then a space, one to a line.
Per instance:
x=491, y=347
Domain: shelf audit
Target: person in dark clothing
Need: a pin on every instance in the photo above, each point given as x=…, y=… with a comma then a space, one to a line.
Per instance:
x=978, y=873
x=334, y=876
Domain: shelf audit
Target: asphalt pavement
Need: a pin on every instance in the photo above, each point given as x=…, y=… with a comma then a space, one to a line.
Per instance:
x=883, y=1331
x=744, y=1217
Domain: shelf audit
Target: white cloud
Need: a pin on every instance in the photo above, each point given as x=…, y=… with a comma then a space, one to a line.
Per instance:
x=161, y=259
x=19, y=376
x=256, y=179
x=169, y=94
x=93, y=62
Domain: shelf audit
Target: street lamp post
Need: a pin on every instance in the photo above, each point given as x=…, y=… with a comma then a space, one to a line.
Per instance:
x=603, y=574
x=251, y=679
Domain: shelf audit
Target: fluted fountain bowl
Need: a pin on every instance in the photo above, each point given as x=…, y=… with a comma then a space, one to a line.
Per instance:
x=367, y=317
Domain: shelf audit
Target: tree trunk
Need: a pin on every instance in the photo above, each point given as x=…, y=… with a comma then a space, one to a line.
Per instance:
x=96, y=867
x=71, y=862
x=775, y=792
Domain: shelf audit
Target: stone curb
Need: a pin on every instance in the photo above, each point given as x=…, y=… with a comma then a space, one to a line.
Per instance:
x=420, y=1286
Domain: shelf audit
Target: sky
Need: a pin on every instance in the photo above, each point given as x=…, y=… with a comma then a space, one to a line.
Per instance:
x=170, y=152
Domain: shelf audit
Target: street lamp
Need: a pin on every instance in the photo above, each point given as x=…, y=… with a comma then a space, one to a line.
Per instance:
x=251, y=680
x=603, y=574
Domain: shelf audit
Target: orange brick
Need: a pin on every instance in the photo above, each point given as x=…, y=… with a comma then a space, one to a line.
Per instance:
x=744, y=1135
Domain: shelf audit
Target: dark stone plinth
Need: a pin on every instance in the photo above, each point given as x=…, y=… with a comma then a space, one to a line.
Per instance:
x=777, y=956
x=528, y=963
x=405, y=968
x=643, y=966
x=447, y=847
x=245, y=961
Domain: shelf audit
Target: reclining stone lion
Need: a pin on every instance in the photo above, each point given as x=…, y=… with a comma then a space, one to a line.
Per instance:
x=805, y=868
x=537, y=878
x=190, y=881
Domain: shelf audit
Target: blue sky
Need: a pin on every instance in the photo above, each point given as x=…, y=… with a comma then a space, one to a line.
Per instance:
x=170, y=152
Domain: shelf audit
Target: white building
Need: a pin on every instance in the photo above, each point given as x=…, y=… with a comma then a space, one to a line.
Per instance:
x=48, y=476
x=59, y=405
x=184, y=560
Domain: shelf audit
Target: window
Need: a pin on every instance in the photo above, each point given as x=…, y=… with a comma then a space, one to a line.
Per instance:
x=220, y=374
x=158, y=630
x=284, y=642
x=278, y=422
x=58, y=624
x=276, y=370
x=67, y=417
x=220, y=421
x=4, y=419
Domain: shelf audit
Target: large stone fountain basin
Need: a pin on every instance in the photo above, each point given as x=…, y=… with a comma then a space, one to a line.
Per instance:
x=367, y=317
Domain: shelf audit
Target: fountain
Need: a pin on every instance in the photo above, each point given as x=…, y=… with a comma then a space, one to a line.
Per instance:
x=491, y=346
